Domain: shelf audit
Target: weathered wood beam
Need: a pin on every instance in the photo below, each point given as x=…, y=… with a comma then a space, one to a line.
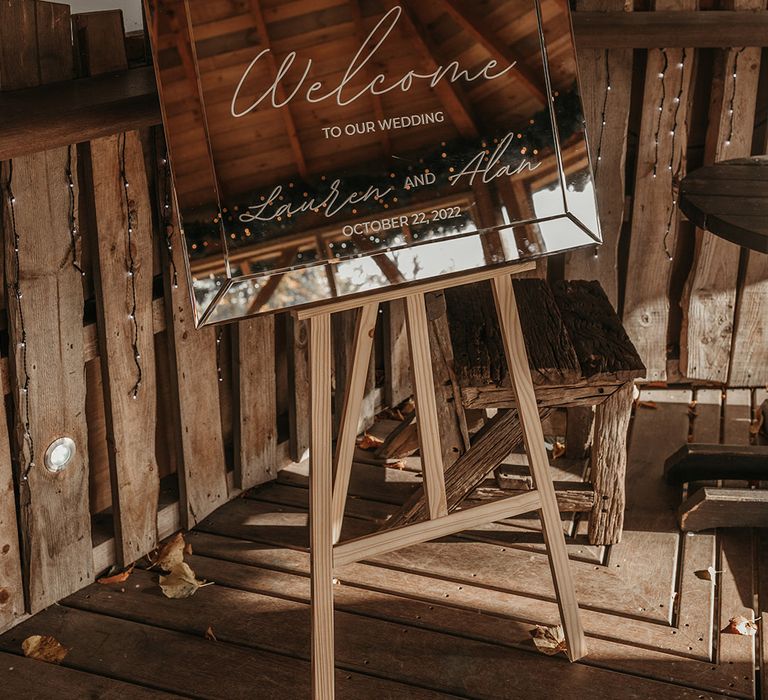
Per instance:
x=499, y=51
x=85, y=109
x=670, y=29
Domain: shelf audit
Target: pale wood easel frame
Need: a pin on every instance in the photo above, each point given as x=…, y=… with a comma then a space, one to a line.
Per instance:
x=328, y=492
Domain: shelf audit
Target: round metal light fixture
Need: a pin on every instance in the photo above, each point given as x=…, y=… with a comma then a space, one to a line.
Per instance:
x=59, y=454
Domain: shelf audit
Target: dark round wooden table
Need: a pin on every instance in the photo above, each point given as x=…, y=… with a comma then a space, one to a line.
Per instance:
x=730, y=199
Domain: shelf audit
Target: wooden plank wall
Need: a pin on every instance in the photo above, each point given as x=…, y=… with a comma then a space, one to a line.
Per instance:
x=693, y=304
x=189, y=441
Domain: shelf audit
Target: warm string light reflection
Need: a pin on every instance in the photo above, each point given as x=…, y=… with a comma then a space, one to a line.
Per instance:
x=74, y=234
x=675, y=176
x=16, y=286
x=130, y=215
x=167, y=219
x=219, y=371
x=603, y=113
x=732, y=102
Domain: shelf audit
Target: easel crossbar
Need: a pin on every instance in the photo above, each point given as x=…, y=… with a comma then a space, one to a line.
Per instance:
x=390, y=540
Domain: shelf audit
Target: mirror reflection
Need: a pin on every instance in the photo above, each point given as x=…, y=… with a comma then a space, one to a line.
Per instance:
x=327, y=149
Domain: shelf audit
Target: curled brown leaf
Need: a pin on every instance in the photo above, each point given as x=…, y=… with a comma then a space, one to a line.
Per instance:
x=740, y=625
x=549, y=640
x=181, y=582
x=369, y=442
x=44, y=648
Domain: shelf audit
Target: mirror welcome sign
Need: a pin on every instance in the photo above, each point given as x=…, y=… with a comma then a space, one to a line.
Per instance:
x=337, y=147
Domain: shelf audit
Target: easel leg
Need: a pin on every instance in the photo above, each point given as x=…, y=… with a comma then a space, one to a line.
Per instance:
x=353, y=398
x=517, y=359
x=321, y=531
x=426, y=407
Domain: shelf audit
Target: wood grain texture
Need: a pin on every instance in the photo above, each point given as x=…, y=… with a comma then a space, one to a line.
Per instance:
x=134, y=471
x=399, y=538
x=426, y=406
x=397, y=377
x=495, y=440
x=352, y=394
x=202, y=477
x=608, y=466
x=533, y=437
x=654, y=216
x=255, y=399
x=298, y=383
x=670, y=29
x=11, y=583
x=53, y=509
x=321, y=508
x=606, y=84
x=133, y=467
x=709, y=303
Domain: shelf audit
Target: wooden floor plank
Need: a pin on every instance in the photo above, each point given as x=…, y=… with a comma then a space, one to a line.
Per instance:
x=364, y=643
x=449, y=606
x=736, y=598
x=187, y=664
x=647, y=554
x=30, y=679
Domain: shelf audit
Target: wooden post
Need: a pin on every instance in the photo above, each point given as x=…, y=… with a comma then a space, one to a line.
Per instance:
x=255, y=400
x=609, y=466
x=533, y=437
x=426, y=407
x=321, y=523
x=655, y=215
x=45, y=320
x=122, y=256
x=606, y=86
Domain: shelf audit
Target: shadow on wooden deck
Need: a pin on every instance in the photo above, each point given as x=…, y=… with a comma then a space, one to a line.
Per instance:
x=449, y=618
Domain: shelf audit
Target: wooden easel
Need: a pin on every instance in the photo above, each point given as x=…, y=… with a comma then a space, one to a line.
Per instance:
x=328, y=493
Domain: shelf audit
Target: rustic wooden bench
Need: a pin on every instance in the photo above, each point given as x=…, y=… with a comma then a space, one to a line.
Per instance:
x=581, y=359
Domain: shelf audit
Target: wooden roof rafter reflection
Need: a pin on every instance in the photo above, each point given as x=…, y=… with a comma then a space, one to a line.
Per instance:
x=455, y=103
x=498, y=50
x=285, y=111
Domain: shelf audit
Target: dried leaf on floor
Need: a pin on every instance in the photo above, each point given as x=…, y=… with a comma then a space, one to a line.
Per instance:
x=44, y=648
x=188, y=549
x=181, y=582
x=120, y=577
x=647, y=404
x=707, y=574
x=209, y=634
x=171, y=554
x=369, y=442
x=558, y=449
x=549, y=640
x=742, y=626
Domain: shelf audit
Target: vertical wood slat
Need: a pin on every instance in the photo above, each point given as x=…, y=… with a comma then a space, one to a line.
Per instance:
x=255, y=400
x=321, y=525
x=397, y=376
x=606, y=86
x=130, y=406
x=202, y=464
x=655, y=218
x=298, y=382
x=710, y=296
x=352, y=394
x=426, y=407
x=533, y=437
x=11, y=582
x=54, y=514
x=608, y=466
